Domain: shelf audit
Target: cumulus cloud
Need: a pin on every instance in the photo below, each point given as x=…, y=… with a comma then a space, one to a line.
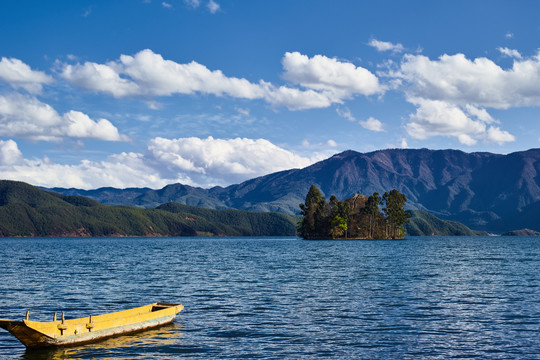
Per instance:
x=20, y=75
x=372, y=124
x=9, y=153
x=495, y=134
x=122, y=170
x=148, y=73
x=509, y=52
x=27, y=117
x=219, y=161
x=453, y=93
x=327, y=81
x=479, y=82
x=338, y=80
x=439, y=118
x=99, y=77
x=194, y=161
x=386, y=46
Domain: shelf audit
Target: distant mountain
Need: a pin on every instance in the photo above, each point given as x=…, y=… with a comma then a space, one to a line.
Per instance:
x=422, y=223
x=484, y=191
x=28, y=211
x=522, y=232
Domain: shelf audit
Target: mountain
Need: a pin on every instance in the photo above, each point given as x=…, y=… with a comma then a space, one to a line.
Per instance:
x=484, y=191
x=422, y=223
x=28, y=211
x=522, y=232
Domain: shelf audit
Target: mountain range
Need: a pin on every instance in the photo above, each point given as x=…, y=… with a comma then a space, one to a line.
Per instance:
x=28, y=211
x=484, y=191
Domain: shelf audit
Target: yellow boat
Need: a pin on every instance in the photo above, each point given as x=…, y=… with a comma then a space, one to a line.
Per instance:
x=35, y=334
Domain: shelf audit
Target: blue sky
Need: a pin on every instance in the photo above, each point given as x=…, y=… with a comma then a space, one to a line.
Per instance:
x=147, y=93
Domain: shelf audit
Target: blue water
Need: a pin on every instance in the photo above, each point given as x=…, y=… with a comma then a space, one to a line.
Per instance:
x=431, y=297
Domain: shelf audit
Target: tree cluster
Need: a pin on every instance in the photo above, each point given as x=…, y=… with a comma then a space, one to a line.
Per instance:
x=358, y=217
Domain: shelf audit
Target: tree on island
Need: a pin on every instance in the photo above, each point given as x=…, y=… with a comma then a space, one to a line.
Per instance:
x=395, y=213
x=358, y=217
x=312, y=212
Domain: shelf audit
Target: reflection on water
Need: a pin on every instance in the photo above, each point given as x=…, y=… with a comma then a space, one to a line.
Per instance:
x=113, y=348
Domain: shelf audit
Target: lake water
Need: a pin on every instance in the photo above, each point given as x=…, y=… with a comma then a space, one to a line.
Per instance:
x=283, y=298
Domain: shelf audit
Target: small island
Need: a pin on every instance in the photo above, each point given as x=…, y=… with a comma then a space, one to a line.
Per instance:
x=357, y=217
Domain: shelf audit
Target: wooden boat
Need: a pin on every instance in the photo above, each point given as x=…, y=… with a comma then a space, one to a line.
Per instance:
x=35, y=334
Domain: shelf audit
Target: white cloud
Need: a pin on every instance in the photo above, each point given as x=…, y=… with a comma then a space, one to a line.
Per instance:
x=99, y=77
x=499, y=136
x=80, y=125
x=148, y=74
x=20, y=75
x=404, y=144
x=193, y=161
x=166, y=5
x=386, y=46
x=27, y=117
x=122, y=170
x=326, y=80
x=439, y=118
x=453, y=93
x=193, y=3
x=479, y=82
x=242, y=111
x=344, y=112
x=372, y=124
x=337, y=80
x=295, y=99
x=509, y=52
x=213, y=7
x=166, y=77
x=509, y=35
x=222, y=161
x=466, y=139
x=9, y=153
x=332, y=143
x=481, y=114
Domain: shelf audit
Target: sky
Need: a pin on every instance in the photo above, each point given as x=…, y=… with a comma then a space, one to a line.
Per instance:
x=145, y=93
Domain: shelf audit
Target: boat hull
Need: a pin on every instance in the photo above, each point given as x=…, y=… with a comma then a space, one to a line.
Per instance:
x=88, y=330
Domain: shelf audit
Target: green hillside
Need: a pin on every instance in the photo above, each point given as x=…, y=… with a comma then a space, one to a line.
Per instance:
x=234, y=222
x=28, y=211
x=422, y=223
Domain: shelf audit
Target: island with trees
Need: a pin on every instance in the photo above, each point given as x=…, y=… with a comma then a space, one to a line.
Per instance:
x=358, y=217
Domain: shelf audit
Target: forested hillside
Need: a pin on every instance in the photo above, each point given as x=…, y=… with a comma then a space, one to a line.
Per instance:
x=422, y=223
x=28, y=211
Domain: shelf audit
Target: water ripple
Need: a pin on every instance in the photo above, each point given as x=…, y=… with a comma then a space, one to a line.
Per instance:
x=433, y=298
